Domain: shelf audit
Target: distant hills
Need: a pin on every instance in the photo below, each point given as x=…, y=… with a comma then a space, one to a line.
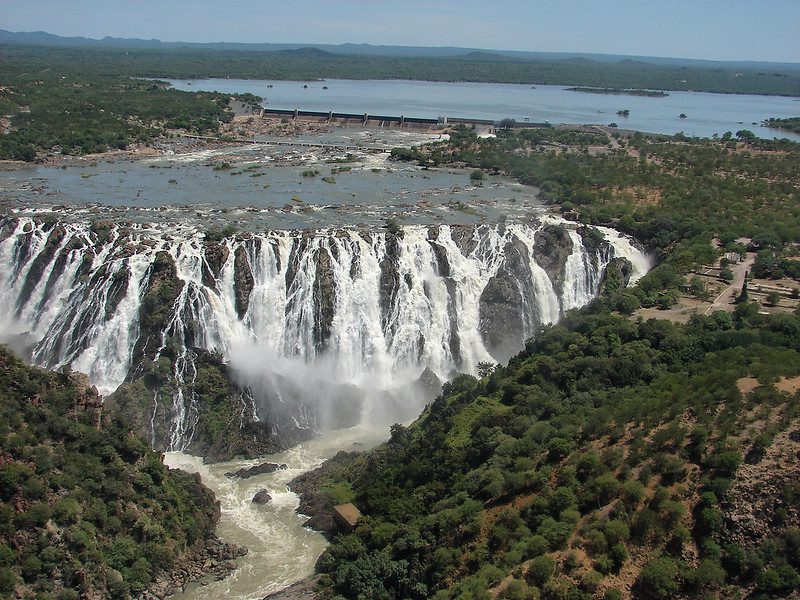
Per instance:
x=41, y=38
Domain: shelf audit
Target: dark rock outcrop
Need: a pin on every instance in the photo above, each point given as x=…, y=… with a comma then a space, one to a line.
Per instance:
x=8, y=225
x=502, y=304
x=551, y=248
x=429, y=384
x=324, y=291
x=616, y=276
x=163, y=288
x=242, y=280
x=262, y=497
x=117, y=291
x=147, y=403
x=594, y=241
x=465, y=238
x=40, y=263
x=389, y=282
x=262, y=469
x=215, y=559
x=302, y=590
x=215, y=256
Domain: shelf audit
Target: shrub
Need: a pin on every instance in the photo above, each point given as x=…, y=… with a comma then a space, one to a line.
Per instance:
x=7, y=580
x=540, y=570
x=591, y=580
x=392, y=226
x=535, y=545
x=618, y=555
x=658, y=579
x=516, y=590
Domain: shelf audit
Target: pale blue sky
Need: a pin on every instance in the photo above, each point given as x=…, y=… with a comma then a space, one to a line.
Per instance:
x=711, y=29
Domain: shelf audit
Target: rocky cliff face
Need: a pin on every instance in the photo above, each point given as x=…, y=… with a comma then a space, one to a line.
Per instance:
x=551, y=249
x=503, y=323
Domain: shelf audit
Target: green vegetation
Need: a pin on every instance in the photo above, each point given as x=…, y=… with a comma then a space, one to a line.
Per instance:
x=85, y=100
x=217, y=234
x=604, y=457
x=673, y=194
x=78, y=108
x=616, y=438
x=310, y=64
x=620, y=92
x=85, y=506
x=791, y=124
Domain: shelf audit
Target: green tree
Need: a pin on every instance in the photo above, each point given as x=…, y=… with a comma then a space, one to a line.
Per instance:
x=659, y=578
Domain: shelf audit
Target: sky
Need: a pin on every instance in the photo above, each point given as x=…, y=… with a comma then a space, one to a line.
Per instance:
x=763, y=30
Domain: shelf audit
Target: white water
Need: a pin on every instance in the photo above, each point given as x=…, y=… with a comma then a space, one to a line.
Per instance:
x=281, y=550
x=70, y=319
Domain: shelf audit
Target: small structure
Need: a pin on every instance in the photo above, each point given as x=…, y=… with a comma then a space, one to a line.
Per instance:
x=733, y=257
x=346, y=516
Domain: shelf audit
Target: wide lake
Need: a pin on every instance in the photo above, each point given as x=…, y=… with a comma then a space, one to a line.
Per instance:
x=706, y=114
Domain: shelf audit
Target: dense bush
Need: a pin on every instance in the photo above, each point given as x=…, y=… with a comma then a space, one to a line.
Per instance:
x=601, y=415
x=100, y=514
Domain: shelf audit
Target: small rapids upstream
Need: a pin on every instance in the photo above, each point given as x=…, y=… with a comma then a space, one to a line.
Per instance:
x=281, y=550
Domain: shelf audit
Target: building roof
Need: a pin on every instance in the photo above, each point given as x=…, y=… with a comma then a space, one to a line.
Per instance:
x=348, y=512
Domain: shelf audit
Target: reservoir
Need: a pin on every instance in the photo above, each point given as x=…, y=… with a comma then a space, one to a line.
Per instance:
x=706, y=113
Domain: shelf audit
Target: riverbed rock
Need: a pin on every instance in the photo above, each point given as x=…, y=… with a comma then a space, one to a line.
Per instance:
x=242, y=280
x=40, y=264
x=163, y=287
x=551, y=248
x=213, y=560
x=324, y=292
x=302, y=590
x=502, y=303
x=262, y=469
x=216, y=255
x=262, y=497
x=428, y=384
x=389, y=282
x=616, y=275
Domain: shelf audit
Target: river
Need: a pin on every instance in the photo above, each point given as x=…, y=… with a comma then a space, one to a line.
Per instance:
x=706, y=113
x=281, y=550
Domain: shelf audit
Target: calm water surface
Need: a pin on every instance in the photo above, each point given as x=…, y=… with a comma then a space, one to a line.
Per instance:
x=706, y=113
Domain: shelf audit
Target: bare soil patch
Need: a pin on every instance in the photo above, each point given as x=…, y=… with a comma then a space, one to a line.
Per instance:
x=747, y=385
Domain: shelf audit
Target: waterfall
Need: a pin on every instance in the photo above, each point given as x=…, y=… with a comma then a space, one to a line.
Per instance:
x=364, y=308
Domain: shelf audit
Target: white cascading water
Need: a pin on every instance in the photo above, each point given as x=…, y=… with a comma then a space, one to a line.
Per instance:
x=84, y=308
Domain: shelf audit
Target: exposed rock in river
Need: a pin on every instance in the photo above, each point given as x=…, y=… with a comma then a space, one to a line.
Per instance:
x=262, y=469
x=243, y=281
x=262, y=497
x=552, y=246
x=324, y=299
x=216, y=255
x=502, y=304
